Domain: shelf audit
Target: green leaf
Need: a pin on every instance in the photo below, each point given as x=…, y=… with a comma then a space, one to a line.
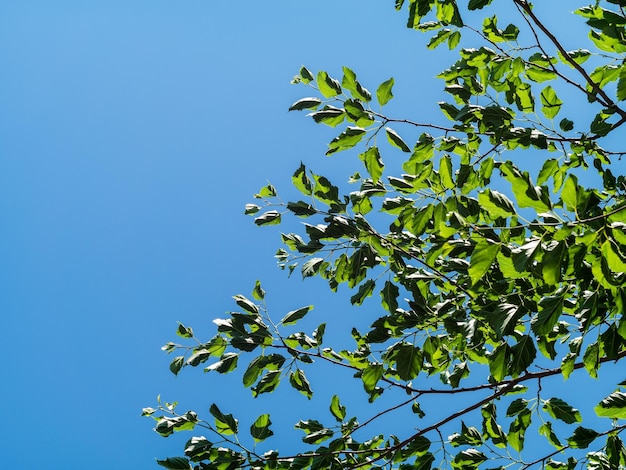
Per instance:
x=384, y=92
x=311, y=267
x=525, y=192
x=347, y=139
x=470, y=458
x=566, y=125
x=337, y=410
x=389, y=296
x=496, y=204
x=292, y=317
x=477, y=4
x=227, y=363
x=198, y=448
x=615, y=260
x=305, y=75
x=408, y=361
x=258, y=293
x=224, y=423
x=371, y=375
x=522, y=355
x=373, y=163
x=546, y=431
x=613, y=406
x=305, y=103
x=184, y=332
x=301, y=181
x=621, y=84
x=516, y=407
x=177, y=364
x=445, y=172
x=550, y=309
x=267, y=384
x=246, y=304
x=329, y=115
x=329, y=87
x=551, y=263
x=483, y=256
x=438, y=38
x=561, y=410
x=350, y=83
x=175, y=463
x=550, y=103
x=395, y=140
x=299, y=381
x=499, y=362
x=582, y=437
x=591, y=359
x=269, y=218
x=260, y=429
x=365, y=290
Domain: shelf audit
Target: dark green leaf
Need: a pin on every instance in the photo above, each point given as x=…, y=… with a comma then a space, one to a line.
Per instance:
x=301, y=181
x=299, y=381
x=395, y=140
x=177, y=364
x=561, y=410
x=175, y=463
x=224, y=423
x=292, y=317
x=305, y=103
x=483, y=256
x=269, y=218
x=260, y=429
x=408, y=361
x=582, y=437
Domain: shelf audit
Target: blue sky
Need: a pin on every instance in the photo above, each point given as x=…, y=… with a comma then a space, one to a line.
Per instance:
x=132, y=134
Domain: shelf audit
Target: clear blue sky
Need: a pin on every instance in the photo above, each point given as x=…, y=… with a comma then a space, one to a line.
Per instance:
x=131, y=136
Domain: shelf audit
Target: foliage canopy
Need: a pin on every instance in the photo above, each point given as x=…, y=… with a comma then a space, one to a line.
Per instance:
x=498, y=250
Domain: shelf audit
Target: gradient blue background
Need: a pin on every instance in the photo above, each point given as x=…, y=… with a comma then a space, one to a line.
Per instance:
x=131, y=136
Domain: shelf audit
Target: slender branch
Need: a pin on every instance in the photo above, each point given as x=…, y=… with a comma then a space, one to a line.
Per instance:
x=617, y=429
x=608, y=102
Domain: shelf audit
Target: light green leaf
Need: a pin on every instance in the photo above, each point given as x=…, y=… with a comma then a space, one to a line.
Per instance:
x=496, y=204
x=329, y=87
x=591, y=359
x=373, y=163
x=445, y=172
x=550, y=103
x=301, y=181
x=384, y=92
x=337, y=410
x=484, y=254
x=371, y=375
x=613, y=406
